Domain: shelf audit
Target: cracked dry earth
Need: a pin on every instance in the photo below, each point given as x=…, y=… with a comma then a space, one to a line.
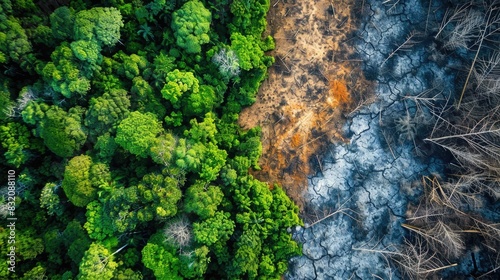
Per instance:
x=298, y=112
x=359, y=197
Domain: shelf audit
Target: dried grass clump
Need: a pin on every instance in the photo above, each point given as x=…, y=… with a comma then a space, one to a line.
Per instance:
x=339, y=92
x=296, y=140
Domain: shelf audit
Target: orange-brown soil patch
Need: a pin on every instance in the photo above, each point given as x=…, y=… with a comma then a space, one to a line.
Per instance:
x=314, y=83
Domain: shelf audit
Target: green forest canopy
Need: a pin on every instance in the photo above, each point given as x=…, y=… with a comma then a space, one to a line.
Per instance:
x=119, y=120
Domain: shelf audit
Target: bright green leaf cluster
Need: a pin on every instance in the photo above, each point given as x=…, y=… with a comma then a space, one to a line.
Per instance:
x=76, y=184
x=137, y=133
x=15, y=139
x=191, y=24
x=99, y=24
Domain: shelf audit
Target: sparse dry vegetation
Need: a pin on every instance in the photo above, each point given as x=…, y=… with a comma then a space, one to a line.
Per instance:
x=178, y=233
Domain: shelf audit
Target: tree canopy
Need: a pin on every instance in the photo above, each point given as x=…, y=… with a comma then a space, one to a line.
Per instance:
x=191, y=24
x=119, y=120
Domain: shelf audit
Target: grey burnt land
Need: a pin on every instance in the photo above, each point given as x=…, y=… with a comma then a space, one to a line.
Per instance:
x=361, y=195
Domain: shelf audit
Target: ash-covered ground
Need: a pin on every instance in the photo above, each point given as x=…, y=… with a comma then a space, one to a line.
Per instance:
x=364, y=187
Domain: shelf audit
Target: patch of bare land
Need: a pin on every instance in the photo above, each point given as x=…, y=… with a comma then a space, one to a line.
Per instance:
x=314, y=83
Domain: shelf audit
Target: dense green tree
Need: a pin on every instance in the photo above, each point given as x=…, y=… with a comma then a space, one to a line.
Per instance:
x=163, y=148
x=100, y=175
x=75, y=240
x=178, y=84
x=246, y=259
x=145, y=98
x=213, y=160
x=202, y=200
x=205, y=159
x=92, y=92
x=162, y=65
x=106, y=82
x=6, y=104
x=62, y=132
x=204, y=131
x=105, y=146
x=107, y=111
x=50, y=200
x=62, y=22
x=130, y=66
x=137, y=133
x=14, y=43
x=127, y=274
x=200, y=102
x=37, y=272
x=247, y=50
x=99, y=223
x=162, y=262
x=249, y=86
x=160, y=194
x=195, y=263
x=191, y=24
x=99, y=24
x=218, y=228
x=88, y=52
x=97, y=263
x=249, y=16
x=15, y=139
x=120, y=210
x=76, y=183
x=28, y=245
x=54, y=245
x=252, y=148
x=63, y=73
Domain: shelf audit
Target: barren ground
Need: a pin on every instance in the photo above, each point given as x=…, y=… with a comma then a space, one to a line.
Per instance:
x=315, y=82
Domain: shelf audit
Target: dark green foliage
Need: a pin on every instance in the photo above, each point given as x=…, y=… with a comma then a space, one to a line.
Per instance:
x=106, y=188
x=215, y=229
x=62, y=132
x=6, y=105
x=62, y=22
x=145, y=99
x=76, y=241
x=162, y=65
x=130, y=66
x=106, y=112
x=14, y=43
x=105, y=146
x=249, y=16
